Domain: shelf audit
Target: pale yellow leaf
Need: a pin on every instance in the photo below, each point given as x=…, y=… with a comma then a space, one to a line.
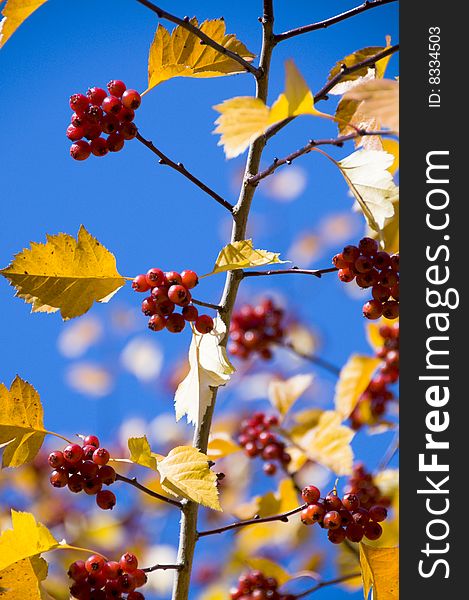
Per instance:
x=26, y=539
x=390, y=232
x=221, y=445
x=22, y=579
x=209, y=368
x=65, y=274
x=353, y=59
x=181, y=53
x=186, y=472
x=15, y=12
x=304, y=421
x=284, y=393
x=380, y=572
x=141, y=454
x=378, y=98
x=329, y=444
x=243, y=255
x=269, y=568
x=353, y=381
x=21, y=423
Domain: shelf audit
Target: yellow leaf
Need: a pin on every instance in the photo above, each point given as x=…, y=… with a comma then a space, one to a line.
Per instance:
x=22, y=579
x=353, y=381
x=209, y=368
x=221, y=445
x=65, y=274
x=379, y=98
x=214, y=592
x=303, y=422
x=244, y=119
x=392, y=147
x=283, y=394
x=27, y=539
x=270, y=569
x=243, y=255
x=15, y=12
x=21, y=423
x=329, y=443
x=181, y=53
x=185, y=472
x=351, y=60
x=390, y=232
x=380, y=571
x=141, y=454
x=372, y=332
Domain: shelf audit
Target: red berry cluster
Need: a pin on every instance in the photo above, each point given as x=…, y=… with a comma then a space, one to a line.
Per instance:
x=97, y=113
x=169, y=290
x=372, y=269
x=254, y=329
x=257, y=439
x=373, y=402
x=96, y=579
x=344, y=518
x=84, y=468
x=256, y=586
x=361, y=484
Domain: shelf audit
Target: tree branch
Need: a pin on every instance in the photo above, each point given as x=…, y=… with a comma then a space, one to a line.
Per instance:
x=205, y=39
x=180, y=168
x=176, y=567
x=294, y=270
x=216, y=307
x=323, y=584
x=332, y=20
x=146, y=490
x=312, y=358
x=283, y=517
x=287, y=160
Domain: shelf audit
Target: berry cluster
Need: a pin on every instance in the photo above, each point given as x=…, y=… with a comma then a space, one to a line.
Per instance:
x=373, y=402
x=96, y=579
x=372, y=269
x=84, y=468
x=97, y=113
x=344, y=518
x=256, y=586
x=254, y=329
x=257, y=439
x=169, y=290
x=362, y=485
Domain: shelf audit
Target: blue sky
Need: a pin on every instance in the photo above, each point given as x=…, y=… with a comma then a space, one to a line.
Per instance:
x=148, y=215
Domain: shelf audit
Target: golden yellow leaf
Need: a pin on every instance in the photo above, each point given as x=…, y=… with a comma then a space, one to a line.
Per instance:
x=284, y=393
x=21, y=423
x=380, y=571
x=186, y=472
x=15, y=12
x=353, y=59
x=243, y=255
x=297, y=99
x=329, y=443
x=221, y=445
x=392, y=147
x=214, y=592
x=269, y=568
x=379, y=98
x=141, y=454
x=390, y=231
x=209, y=368
x=26, y=539
x=22, y=579
x=372, y=332
x=65, y=274
x=181, y=53
x=353, y=381
x=304, y=421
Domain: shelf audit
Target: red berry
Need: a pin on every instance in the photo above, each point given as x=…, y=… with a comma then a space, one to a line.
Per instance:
x=380, y=293
x=77, y=571
x=92, y=486
x=105, y=499
x=93, y=131
x=101, y=456
x=128, y=562
x=336, y=536
x=76, y=483
x=272, y=452
x=189, y=279
x=73, y=453
x=333, y=502
x=94, y=563
x=388, y=278
x=190, y=313
x=99, y=147
x=155, y=277
x=89, y=469
x=316, y=512
x=125, y=115
x=56, y=459
x=79, y=103
x=140, y=284
x=164, y=308
x=350, y=253
x=391, y=309
x=81, y=590
x=156, y=323
x=204, y=324
x=172, y=278
x=395, y=291
x=112, y=105
x=109, y=123
x=88, y=452
x=373, y=309
x=395, y=262
x=116, y=87
x=382, y=260
x=80, y=150
x=115, y=142
x=363, y=264
x=160, y=293
x=140, y=577
x=368, y=246
x=361, y=516
x=332, y=520
x=149, y=306
x=378, y=513
x=128, y=131
x=269, y=468
x=131, y=99
x=79, y=120
x=94, y=114
x=351, y=502
x=112, y=570
x=175, y=323
x=106, y=474
x=112, y=589
x=96, y=95
x=354, y=532
x=346, y=275
x=75, y=133
x=339, y=261
x=177, y=294
x=135, y=596
x=373, y=530
x=127, y=582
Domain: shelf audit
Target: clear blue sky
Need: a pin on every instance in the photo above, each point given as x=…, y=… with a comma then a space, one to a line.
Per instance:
x=146, y=214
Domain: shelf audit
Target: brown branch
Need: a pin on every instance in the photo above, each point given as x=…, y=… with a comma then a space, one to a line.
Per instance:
x=283, y=517
x=180, y=168
x=205, y=39
x=294, y=270
x=287, y=160
x=332, y=20
x=323, y=584
x=312, y=358
x=146, y=490
x=216, y=307
x=175, y=567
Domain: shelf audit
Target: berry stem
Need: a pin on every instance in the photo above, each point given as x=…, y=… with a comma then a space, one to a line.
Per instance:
x=146, y=490
x=255, y=521
x=180, y=168
x=313, y=358
x=216, y=307
x=316, y=272
x=323, y=584
x=58, y=436
x=186, y=24
x=158, y=567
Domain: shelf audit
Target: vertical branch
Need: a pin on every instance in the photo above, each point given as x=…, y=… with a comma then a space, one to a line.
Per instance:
x=188, y=525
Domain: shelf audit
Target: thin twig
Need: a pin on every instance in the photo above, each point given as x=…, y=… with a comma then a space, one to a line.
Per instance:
x=331, y=21
x=146, y=490
x=389, y=454
x=283, y=517
x=205, y=39
x=323, y=584
x=180, y=168
x=317, y=360
x=216, y=307
x=175, y=567
x=294, y=270
x=287, y=160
